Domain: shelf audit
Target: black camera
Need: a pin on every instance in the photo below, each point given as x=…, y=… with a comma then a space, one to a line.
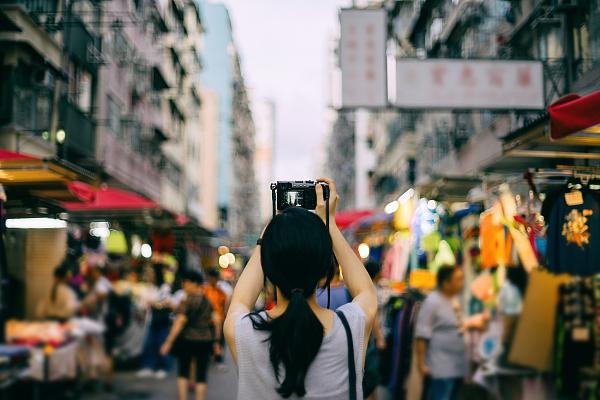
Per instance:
x=297, y=194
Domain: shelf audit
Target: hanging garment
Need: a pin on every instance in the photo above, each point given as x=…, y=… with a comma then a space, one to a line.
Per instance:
x=533, y=344
x=482, y=287
x=519, y=234
x=575, y=346
x=573, y=232
x=444, y=257
x=494, y=243
x=395, y=262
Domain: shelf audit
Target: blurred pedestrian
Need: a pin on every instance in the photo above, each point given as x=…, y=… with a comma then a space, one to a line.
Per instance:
x=192, y=337
x=372, y=374
x=441, y=349
x=62, y=303
x=154, y=363
x=339, y=294
x=218, y=301
x=97, y=302
x=300, y=349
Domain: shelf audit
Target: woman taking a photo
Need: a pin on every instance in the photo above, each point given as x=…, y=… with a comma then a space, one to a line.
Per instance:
x=299, y=349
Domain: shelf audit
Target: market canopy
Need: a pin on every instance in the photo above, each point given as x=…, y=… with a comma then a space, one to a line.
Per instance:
x=344, y=219
x=23, y=169
x=26, y=177
x=106, y=198
x=574, y=113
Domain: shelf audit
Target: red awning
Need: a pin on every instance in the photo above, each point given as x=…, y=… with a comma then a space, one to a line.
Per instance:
x=344, y=219
x=574, y=113
x=7, y=155
x=107, y=198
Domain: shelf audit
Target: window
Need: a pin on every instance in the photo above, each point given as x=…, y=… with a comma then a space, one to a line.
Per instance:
x=120, y=48
x=114, y=117
x=80, y=87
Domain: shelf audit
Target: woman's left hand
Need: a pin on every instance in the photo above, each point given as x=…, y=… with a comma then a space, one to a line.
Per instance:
x=165, y=349
x=217, y=349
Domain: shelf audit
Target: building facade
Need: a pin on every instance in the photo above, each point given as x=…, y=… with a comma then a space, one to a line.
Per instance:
x=47, y=95
x=263, y=112
x=217, y=76
x=123, y=99
x=419, y=147
x=245, y=212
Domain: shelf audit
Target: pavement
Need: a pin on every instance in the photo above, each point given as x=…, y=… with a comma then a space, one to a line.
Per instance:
x=222, y=385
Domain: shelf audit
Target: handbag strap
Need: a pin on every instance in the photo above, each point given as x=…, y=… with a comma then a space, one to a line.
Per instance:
x=351, y=366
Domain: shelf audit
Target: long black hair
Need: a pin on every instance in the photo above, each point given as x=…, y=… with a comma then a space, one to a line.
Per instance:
x=296, y=253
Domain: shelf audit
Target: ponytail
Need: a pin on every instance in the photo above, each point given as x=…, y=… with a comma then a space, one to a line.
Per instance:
x=294, y=341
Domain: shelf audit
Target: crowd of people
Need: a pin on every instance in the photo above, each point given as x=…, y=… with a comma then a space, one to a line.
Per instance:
x=286, y=336
x=181, y=315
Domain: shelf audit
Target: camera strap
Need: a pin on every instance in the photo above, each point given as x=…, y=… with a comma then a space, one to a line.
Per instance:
x=274, y=199
x=326, y=198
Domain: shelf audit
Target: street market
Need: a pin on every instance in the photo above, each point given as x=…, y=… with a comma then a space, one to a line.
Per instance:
x=205, y=199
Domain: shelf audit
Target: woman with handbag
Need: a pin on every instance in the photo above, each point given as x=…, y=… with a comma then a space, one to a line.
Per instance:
x=299, y=349
x=193, y=336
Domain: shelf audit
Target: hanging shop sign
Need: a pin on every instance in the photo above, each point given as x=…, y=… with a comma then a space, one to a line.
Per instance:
x=469, y=84
x=363, y=57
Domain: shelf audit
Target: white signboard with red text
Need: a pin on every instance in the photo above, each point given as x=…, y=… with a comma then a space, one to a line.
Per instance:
x=469, y=84
x=363, y=57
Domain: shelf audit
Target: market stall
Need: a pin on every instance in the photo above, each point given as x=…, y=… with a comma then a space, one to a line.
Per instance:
x=522, y=231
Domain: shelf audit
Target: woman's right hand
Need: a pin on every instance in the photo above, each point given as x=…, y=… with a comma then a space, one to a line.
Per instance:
x=333, y=200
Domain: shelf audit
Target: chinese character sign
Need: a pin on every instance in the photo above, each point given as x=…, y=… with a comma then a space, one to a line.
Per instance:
x=469, y=84
x=363, y=58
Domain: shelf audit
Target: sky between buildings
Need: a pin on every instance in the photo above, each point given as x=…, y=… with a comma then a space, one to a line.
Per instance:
x=284, y=47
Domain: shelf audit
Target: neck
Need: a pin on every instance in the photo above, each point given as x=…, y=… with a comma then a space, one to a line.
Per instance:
x=447, y=293
x=282, y=304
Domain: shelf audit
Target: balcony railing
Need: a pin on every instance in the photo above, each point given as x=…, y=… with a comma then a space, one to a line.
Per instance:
x=35, y=6
x=32, y=108
x=82, y=44
x=79, y=127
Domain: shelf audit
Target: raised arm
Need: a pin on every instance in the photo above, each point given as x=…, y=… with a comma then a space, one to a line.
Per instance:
x=356, y=277
x=244, y=297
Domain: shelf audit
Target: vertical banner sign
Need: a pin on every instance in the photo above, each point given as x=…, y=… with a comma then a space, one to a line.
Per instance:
x=363, y=57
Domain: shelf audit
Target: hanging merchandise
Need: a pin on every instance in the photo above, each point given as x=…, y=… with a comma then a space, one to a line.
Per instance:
x=163, y=241
x=403, y=215
x=517, y=231
x=536, y=350
x=495, y=245
x=573, y=219
x=482, y=287
x=574, y=343
x=430, y=242
x=395, y=262
x=116, y=243
x=401, y=316
x=423, y=224
x=422, y=279
x=444, y=257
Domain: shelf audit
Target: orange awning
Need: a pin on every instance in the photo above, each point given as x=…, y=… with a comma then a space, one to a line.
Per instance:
x=48, y=179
